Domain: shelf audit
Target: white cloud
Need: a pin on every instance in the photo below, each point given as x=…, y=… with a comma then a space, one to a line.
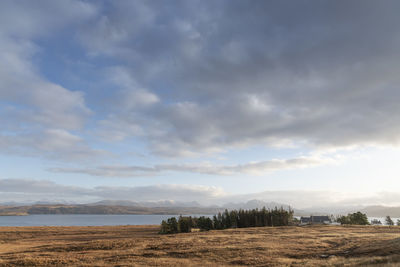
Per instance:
x=131, y=96
x=36, y=190
x=37, y=114
x=252, y=168
x=56, y=144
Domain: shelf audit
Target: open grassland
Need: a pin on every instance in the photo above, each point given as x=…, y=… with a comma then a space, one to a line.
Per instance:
x=142, y=246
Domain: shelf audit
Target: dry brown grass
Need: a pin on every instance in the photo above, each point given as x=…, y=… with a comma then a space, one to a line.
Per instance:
x=142, y=246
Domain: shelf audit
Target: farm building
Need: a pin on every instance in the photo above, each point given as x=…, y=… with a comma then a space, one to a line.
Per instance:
x=315, y=220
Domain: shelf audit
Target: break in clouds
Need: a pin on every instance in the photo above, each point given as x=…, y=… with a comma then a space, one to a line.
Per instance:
x=196, y=78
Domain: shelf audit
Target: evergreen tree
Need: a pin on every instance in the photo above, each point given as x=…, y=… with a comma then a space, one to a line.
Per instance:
x=204, y=223
x=164, y=228
x=217, y=223
x=185, y=224
x=173, y=224
x=354, y=218
x=169, y=227
x=241, y=219
x=389, y=220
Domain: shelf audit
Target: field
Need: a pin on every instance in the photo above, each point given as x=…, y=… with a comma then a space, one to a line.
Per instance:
x=142, y=246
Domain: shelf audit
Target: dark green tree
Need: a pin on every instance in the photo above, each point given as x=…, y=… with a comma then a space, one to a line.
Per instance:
x=204, y=223
x=184, y=224
x=389, y=220
x=169, y=227
x=354, y=218
x=217, y=222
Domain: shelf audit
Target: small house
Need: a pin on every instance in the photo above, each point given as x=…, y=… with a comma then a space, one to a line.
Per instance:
x=315, y=220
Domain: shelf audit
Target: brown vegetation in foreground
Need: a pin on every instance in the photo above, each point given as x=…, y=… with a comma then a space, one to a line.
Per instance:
x=142, y=246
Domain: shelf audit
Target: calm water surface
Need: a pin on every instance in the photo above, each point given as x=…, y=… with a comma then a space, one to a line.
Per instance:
x=83, y=220
x=96, y=220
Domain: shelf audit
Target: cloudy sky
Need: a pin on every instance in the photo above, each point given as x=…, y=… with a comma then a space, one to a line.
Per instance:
x=200, y=100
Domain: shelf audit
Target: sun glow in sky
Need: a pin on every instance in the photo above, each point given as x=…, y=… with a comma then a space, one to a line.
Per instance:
x=208, y=101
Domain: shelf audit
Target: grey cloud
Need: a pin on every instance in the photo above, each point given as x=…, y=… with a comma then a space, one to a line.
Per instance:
x=38, y=187
x=29, y=19
x=233, y=73
x=39, y=101
x=252, y=168
x=57, y=144
x=36, y=190
x=39, y=113
x=161, y=192
x=203, y=77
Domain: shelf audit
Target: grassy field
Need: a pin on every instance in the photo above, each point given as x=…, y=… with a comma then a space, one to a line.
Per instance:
x=142, y=246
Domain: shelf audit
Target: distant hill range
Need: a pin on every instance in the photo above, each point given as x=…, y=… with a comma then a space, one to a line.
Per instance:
x=129, y=207
x=101, y=209
x=255, y=204
x=172, y=208
x=149, y=204
x=381, y=211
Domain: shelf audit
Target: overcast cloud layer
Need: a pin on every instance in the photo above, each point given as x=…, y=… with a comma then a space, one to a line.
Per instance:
x=211, y=76
x=202, y=76
x=86, y=84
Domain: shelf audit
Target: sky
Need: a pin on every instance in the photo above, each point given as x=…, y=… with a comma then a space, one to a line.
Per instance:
x=208, y=101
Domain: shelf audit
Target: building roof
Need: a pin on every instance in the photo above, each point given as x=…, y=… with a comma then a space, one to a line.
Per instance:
x=315, y=219
x=320, y=218
x=305, y=219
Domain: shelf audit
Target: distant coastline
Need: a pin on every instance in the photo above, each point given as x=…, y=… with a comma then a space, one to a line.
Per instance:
x=181, y=208
x=101, y=209
x=14, y=214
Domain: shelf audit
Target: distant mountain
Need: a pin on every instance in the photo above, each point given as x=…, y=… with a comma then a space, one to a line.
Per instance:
x=42, y=202
x=174, y=207
x=131, y=207
x=255, y=204
x=381, y=211
x=149, y=204
x=336, y=210
x=114, y=203
x=102, y=209
x=12, y=203
x=251, y=204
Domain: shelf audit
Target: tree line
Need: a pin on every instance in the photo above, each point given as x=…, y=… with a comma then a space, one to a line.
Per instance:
x=359, y=218
x=229, y=219
x=388, y=221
